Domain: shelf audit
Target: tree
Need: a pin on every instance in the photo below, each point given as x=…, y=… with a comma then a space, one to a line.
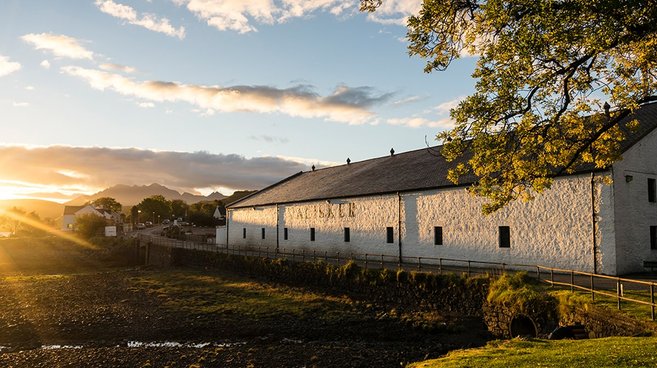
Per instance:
x=107, y=203
x=89, y=225
x=179, y=208
x=155, y=206
x=554, y=79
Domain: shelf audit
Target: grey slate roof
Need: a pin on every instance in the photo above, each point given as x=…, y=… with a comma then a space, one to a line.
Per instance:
x=408, y=171
x=71, y=210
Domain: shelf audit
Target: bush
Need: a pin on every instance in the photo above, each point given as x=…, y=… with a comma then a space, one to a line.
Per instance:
x=90, y=225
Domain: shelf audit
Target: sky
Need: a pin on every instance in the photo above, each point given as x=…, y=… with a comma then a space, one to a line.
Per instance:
x=205, y=95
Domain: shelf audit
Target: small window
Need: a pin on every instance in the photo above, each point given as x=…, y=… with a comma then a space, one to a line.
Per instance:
x=312, y=234
x=653, y=237
x=651, y=190
x=505, y=237
x=390, y=235
x=347, y=235
x=285, y=233
x=438, y=235
x=263, y=232
x=244, y=233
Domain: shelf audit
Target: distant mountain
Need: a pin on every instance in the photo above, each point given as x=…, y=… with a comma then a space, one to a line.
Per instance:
x=130, y=195
x=42, y=208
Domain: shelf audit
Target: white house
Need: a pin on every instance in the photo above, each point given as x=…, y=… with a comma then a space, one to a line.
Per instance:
x=403, y=204
x=72, y=212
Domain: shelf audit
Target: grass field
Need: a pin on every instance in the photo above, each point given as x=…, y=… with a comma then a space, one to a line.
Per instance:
x=55, y=293
x=595, y=353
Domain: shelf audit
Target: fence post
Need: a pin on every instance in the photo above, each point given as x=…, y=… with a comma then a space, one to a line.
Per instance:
x=572, y=280
x=440, y=266
x=365, y=261
x=503, y=267
x=293, y=254
x=592, y=289
x=267, y=252
x=419, y=263
x=303, y=255
x=618, y=292
x=538, y=273
x=314, y=256
x=468, y=268
x=382, y=266
x=652, y=301
x=338, y=258
x=326, y=256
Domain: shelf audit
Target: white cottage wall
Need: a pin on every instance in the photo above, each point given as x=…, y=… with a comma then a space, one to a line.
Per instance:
x=366, y=217
x=634, y=213
x=253, y=219
x=554, y=229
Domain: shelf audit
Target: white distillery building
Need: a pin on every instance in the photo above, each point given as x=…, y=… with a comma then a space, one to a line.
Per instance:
x=403, y=204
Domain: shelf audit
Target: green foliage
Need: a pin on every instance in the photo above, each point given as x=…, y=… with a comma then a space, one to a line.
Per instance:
x=543, y=66
x=202, y=213
x=90, y=225
x=569, y=303
x=594, y=353
x=513, y=290
x=154, y=206
x=107, y=203
x=20, y=223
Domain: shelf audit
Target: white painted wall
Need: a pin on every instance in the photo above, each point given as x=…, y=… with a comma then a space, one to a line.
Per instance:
x=253, y=219
x=634, y=214
x=68, y=221
x=555, y=229
x=220, y=238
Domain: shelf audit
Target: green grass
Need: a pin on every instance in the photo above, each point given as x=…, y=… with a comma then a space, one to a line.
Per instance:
x=594, y=353
x=202, y=293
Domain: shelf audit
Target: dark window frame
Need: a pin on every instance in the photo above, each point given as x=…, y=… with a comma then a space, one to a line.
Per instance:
x=243, y=233
x=504, y=237
x=312, y=234
x=652, y=190
x=347, y=235
x=263, y=233
x=437, y=235
x=390, y=235
x=653, y=237
x=285, y=233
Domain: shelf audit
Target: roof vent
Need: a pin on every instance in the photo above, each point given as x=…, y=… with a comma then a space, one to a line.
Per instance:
x=348, y=160
x=313, y=167
x=392, y=152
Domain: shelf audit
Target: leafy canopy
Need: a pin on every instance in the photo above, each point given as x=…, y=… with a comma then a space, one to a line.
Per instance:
x=544, y=65
x=107, y=203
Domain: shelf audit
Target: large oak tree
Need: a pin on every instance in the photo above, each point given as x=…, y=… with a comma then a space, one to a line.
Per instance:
x=553, y=80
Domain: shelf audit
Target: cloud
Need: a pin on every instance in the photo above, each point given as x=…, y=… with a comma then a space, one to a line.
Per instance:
x=45, y=64
x=59, y=45
x=110, y=67
x=418, y=122
x=146, y=105
x=406, y=100
x=20, y=104
x=447, y=106
x=89, y=169
x=269, y=139
x=240, y=15
x=148, y=21
x=395, y=12
x=7, y=67
x=345, y=104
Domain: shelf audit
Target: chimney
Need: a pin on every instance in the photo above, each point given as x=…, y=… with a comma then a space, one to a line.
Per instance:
x=392, y=152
